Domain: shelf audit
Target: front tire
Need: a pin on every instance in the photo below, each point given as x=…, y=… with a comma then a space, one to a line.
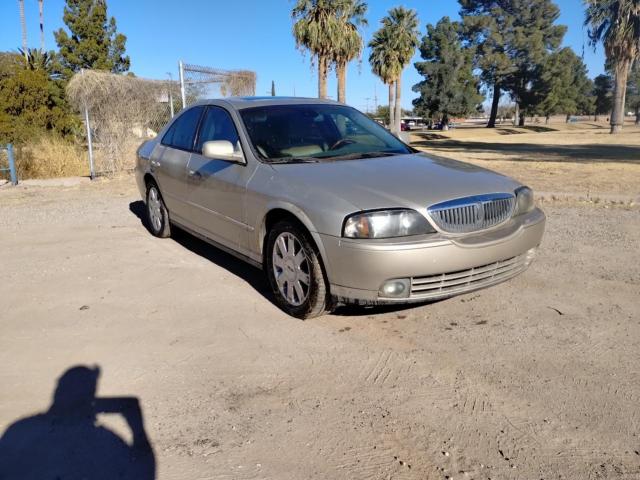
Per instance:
x=157, y=213
x=295, y=273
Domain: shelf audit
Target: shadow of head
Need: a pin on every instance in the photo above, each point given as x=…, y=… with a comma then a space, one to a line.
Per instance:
x=76, y=391
x=68, y=441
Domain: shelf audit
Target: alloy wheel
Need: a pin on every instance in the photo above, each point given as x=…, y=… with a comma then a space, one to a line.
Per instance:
x=291, y=269
x=155, y=209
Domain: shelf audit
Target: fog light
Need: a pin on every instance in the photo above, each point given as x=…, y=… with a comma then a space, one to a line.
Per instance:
x=398, y=288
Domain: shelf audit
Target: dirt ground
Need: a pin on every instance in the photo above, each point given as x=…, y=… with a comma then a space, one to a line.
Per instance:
x=537, y=378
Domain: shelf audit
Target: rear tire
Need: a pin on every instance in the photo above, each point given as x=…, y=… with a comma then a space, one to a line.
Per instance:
x=295, y=273
x=157, y=213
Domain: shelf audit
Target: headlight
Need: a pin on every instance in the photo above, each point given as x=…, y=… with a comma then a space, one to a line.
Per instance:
x=386, y=224
x=524, y=201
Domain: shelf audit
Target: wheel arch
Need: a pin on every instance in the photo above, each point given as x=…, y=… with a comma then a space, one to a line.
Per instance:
x=149, y=179
x=283, y=211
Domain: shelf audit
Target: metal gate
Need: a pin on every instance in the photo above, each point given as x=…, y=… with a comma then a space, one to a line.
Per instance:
x=6, y=152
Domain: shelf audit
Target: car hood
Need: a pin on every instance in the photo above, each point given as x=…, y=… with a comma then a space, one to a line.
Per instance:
x=412, y=181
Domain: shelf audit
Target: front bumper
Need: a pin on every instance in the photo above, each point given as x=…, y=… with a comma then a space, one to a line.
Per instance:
x=437, y=266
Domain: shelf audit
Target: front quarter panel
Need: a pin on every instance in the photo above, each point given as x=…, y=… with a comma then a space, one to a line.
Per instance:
x=320, y=212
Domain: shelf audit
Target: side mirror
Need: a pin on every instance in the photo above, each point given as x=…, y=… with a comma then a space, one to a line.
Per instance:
x=222, y=150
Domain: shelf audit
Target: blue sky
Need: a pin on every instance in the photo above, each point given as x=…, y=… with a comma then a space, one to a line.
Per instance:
x=252, y=34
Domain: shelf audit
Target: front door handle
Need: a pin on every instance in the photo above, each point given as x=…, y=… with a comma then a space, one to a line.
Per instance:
x=195, y=174
x=155, y=163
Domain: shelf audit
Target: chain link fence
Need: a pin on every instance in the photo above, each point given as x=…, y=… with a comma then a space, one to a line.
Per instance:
x=121, y=111
x=198, y=83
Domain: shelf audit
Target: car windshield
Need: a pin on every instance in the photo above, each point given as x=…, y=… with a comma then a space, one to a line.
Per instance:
x=317, y=132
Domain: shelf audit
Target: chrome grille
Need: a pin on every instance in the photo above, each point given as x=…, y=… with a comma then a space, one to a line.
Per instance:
x=466, y=280
x=471, y=214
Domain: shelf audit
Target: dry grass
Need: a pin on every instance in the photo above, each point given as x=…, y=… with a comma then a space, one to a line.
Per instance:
x=106, y=165
x=50, y=157
x=570, y=158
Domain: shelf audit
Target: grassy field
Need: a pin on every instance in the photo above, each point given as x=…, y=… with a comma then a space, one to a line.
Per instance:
x=575, y=159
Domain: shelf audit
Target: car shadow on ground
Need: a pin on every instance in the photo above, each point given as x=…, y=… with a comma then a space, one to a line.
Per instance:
x=252, y=275
x=363, y=311
x=68, y=440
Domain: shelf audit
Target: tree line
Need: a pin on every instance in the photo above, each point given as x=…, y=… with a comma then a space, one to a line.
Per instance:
x=33, y=81
x=505, y=47
x=509, y=48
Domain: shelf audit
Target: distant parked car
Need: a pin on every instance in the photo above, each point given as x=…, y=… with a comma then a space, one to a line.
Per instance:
x=333, y=207
x=404, y=127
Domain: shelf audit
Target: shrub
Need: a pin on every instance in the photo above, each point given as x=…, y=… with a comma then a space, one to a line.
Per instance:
x=50, y=156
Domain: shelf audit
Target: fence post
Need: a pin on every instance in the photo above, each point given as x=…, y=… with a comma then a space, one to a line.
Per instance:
x=12, y=165
x=182, y=91
x=89, y=139
x=89, y=142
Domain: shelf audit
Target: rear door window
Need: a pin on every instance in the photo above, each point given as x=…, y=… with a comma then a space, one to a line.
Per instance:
x=182, y=132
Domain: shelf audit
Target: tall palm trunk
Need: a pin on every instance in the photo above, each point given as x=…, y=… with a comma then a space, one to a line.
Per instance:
x=619, y=95
x=392, y=123
x=494, y=106
x=41, y=9
x=398, y=108
x=322, y=76
x=23, y=25
x=341, y=71
x=638, y=115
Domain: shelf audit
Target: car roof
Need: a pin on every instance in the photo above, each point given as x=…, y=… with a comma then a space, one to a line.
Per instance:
x=240, y=103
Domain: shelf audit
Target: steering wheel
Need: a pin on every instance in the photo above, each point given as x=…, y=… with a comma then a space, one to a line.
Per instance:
x=342, y=142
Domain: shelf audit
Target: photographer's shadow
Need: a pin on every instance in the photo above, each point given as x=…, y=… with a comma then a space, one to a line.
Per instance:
x=67, y=443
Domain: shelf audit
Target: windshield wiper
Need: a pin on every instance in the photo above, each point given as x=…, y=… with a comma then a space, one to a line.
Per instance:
x=294, y=160
x=360, y=155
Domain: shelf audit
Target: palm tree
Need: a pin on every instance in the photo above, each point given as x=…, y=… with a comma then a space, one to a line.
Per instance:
x=23, y=24
x=41, y=10
x=39, y=60
x=384, y=63
x=617, y=24
x=317, y=29
x=403, y=25
x=351, y=15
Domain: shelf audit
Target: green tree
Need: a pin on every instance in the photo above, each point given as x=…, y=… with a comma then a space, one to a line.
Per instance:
x=633, y=91
x=616, y=23
x=31, y=101
x=383, y=58
x=449, y=88
x=348, y=44
x=533, y=37
x=563, y=85
x=316, y=28
x=603, y=93
x=487, y=26
x=94, y=42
